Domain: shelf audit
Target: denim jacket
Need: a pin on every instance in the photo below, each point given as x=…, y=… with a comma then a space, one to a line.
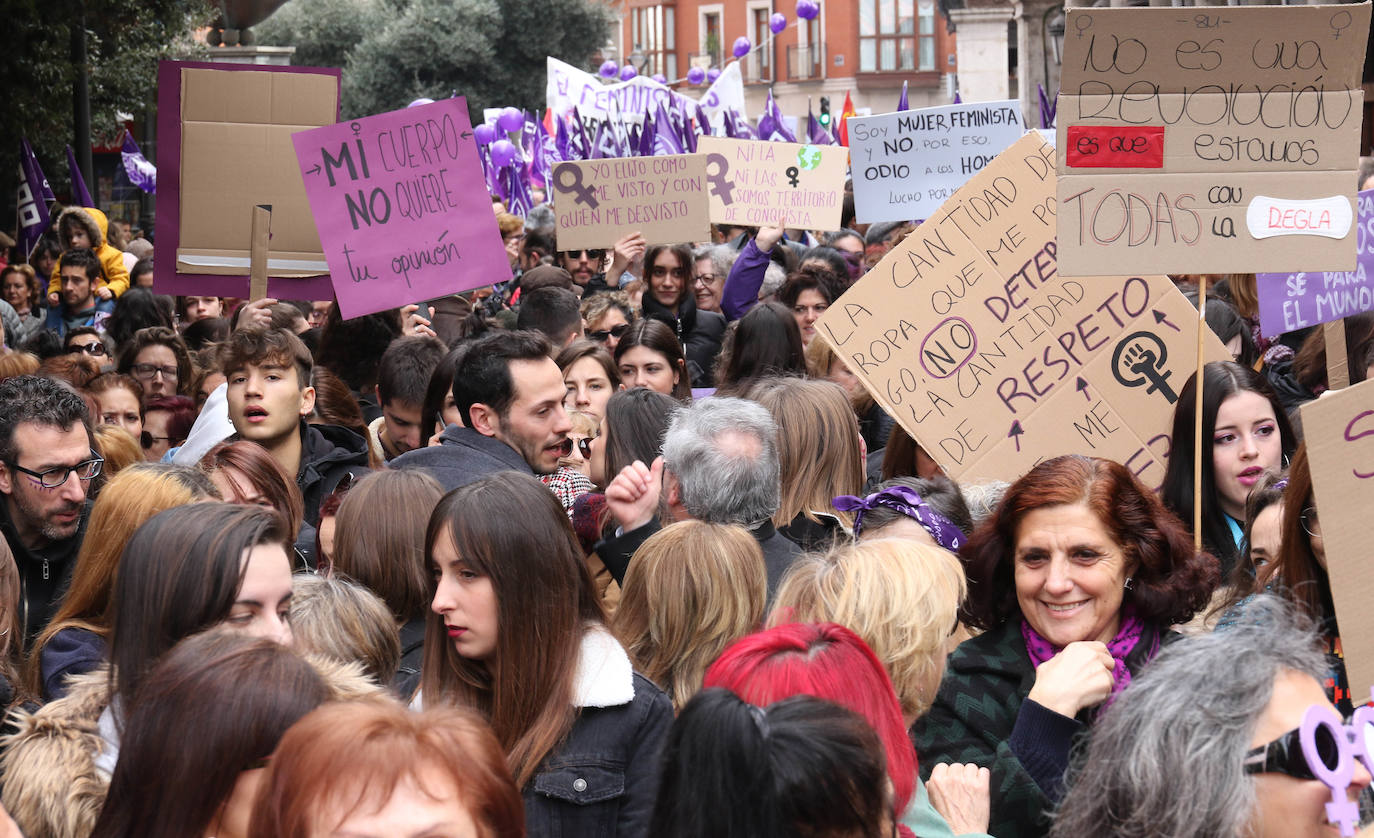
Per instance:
x=603, y=779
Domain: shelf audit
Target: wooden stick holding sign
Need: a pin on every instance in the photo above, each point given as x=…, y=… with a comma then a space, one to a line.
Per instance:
x=1337, y=364
x=257, y=261
x=1197, y=415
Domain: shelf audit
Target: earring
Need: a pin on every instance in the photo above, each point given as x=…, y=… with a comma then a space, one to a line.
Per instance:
x=1129, y=580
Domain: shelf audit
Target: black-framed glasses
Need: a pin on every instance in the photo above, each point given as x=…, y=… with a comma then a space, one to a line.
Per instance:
x=97, y=349
x=594, y=255
x=603, y=335
x=56, y=477
x=146, y=439
x=147, y=372
x=584, y=447
x=1285, y=755
x=706, y=278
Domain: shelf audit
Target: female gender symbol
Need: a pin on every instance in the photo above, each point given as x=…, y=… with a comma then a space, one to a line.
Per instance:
x=569, y=179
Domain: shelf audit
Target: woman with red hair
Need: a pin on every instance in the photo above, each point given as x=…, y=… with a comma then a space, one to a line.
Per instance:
x=1074, y=582
x=828, y=661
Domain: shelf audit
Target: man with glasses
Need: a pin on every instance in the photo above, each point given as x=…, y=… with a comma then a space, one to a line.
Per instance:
x=46, y=468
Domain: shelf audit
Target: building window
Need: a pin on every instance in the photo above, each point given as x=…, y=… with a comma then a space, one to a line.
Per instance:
x=806, y=60
x=711, y=27
x=655, y=39
x=896, y=36
x=761, y=59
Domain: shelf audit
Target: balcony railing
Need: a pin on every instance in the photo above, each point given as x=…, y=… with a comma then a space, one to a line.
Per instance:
x=806, y=63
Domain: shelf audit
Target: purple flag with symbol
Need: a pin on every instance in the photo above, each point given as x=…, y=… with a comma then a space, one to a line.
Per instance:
x=141, y=173
x=35, y=197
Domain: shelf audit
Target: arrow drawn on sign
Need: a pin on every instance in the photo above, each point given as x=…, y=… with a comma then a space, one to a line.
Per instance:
x=467, y=135
x=1015, y=433
x=1160, y=318
x=313, y=171
x=1082, y=387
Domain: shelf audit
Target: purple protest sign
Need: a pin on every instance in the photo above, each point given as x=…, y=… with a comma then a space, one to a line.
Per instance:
x=401, y=206
x=1288, y=302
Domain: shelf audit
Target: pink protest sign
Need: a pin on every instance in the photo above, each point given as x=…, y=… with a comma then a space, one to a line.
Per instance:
x=401, y=207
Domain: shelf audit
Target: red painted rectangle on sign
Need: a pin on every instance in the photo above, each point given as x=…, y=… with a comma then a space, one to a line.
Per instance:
x=1116, y=147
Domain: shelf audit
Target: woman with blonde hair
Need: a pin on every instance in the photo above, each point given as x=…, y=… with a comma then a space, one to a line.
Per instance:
x=74, y=641
x=821, y=455
x=902, y=597
x=118, y=447
x=344, y=622
x=693, y=589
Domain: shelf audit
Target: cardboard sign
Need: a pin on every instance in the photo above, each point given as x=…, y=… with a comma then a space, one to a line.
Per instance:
x=1339, y=429
x=224, y=143
x=402, y=207
x=600, y=201
x=1210, y=140
x=1295, y=301
x=757, y=183
x=967, y=335
x=906, y=164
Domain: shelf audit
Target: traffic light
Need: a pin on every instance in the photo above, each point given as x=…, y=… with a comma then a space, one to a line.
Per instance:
x=825, y=111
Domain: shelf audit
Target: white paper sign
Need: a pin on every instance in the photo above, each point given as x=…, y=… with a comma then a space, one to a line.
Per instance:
x=906, y=164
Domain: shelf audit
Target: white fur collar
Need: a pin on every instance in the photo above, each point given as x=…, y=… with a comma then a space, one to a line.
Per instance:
x=604, y=675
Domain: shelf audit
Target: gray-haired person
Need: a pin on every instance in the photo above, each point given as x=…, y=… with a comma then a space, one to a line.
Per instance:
x=719, y=465
x=1205, y=742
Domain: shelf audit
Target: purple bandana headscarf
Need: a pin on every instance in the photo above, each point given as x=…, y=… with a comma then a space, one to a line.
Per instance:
x=907, y=501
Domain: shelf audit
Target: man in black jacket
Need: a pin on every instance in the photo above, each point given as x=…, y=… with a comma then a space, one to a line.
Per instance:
x=46, y=467
x=720, y=465
x=269, y=396
x=510, y=395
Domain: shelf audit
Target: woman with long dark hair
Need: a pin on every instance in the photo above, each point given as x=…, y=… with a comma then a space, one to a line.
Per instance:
x=1245, y=434
x=649, y=356
x=185, y=570
x=670, y=299
x=516, y=632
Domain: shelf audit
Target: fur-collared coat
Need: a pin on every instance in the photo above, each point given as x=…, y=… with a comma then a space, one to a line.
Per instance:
x=111, y=258
x=52, y=786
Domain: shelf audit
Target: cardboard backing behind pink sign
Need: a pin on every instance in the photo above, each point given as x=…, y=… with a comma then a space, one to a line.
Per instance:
x=401, y=207
x=172, y=277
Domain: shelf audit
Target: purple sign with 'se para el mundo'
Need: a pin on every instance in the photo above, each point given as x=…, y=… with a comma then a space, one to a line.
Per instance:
x=1288, y=302
x=401, y=206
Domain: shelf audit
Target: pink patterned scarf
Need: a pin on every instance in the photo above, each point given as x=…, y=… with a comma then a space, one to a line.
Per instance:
x=1127, y=637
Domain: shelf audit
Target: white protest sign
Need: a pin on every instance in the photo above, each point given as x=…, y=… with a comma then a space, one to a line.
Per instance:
x=906, y=164
x=628, y=101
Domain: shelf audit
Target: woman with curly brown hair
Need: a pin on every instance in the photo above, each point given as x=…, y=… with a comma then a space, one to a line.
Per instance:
x=1074, y=582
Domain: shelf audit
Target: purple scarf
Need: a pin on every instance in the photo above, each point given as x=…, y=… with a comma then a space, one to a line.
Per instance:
x=1127, y=638
x=907, y=501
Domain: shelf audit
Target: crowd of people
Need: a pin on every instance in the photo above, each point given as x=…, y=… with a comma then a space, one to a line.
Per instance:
x=615, y=546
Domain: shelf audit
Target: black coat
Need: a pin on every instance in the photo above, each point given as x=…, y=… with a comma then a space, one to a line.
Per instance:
x=699, y=332
x=328, y=454
x=44, y=574
x=463, y=456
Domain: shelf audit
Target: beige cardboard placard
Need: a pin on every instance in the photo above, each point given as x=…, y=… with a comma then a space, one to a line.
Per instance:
x=1339, y=429
x=662, y=198
x=757, y=183
x=1210, y=139
x=970, y=338
x=262, y=237
x=236, y=153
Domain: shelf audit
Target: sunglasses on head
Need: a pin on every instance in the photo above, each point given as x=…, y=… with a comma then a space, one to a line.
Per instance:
x=602, y=335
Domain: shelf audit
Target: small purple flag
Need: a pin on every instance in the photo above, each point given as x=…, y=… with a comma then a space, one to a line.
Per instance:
x=777, y=129
x=80, y=193
x=562, y=142
x=957, y=99
x=645, y=147
x=902, y=104
x=141, y=173
x=35, y=197
x=583, y=142
x=1048, y=109
x=815, y=134
x=666, y=139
